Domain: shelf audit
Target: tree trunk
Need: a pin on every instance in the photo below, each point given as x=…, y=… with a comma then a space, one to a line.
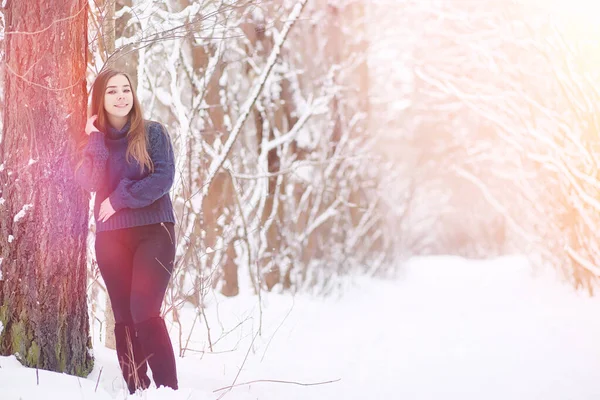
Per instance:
x=43, y=212
x=106, y=38
x=110, y=31
x=107, y=48
x=127, y=59
x=220, y=200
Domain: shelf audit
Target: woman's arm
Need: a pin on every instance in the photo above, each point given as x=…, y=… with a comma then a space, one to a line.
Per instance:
x=92, y=171
x=141, y=193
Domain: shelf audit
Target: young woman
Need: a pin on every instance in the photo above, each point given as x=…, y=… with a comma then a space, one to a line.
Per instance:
x=129, y=163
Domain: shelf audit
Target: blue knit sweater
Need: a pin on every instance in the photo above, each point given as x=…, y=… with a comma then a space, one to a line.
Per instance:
x=139, y=198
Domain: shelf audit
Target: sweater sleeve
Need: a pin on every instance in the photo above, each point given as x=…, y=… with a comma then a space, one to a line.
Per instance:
x=141, y=193
x=92, y=172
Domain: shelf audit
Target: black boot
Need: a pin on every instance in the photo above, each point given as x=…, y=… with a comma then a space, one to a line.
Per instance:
x=132, y=359
x=155, y=341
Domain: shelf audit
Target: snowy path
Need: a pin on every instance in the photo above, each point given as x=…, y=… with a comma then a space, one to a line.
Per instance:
x=448, y=329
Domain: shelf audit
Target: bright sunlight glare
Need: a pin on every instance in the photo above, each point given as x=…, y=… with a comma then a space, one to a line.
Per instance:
x=584, y=15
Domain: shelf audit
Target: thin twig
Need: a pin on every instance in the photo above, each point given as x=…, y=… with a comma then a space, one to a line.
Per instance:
x=73, y=16
x=187, y=342
x=224, y=334
x=278, y=381
x=98, y=380
x=239, y=370
x=210, y=345
x=22, y=77
x=276, y=330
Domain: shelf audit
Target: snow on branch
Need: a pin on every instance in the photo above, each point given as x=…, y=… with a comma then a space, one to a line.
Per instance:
x=318, y=105
x=247, y=107
x=21, y=213
x=583, y=262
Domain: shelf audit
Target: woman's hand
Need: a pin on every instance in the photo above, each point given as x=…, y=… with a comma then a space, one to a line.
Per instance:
x=106, y=210
x=90, y=127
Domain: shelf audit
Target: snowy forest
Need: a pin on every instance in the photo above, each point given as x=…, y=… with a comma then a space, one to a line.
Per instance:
x=315, y=140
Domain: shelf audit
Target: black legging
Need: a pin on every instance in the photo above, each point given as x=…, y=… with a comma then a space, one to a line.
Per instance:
x=136, y=265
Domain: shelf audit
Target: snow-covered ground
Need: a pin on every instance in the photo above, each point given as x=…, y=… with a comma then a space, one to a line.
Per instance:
x=447, y=329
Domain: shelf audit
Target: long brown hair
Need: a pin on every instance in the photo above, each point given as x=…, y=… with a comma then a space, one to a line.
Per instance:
x=137, y=138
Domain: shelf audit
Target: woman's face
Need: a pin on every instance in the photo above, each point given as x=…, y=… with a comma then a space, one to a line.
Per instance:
x=118, y=97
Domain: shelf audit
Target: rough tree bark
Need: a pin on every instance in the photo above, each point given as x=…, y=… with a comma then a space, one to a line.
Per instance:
x=43, y=213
